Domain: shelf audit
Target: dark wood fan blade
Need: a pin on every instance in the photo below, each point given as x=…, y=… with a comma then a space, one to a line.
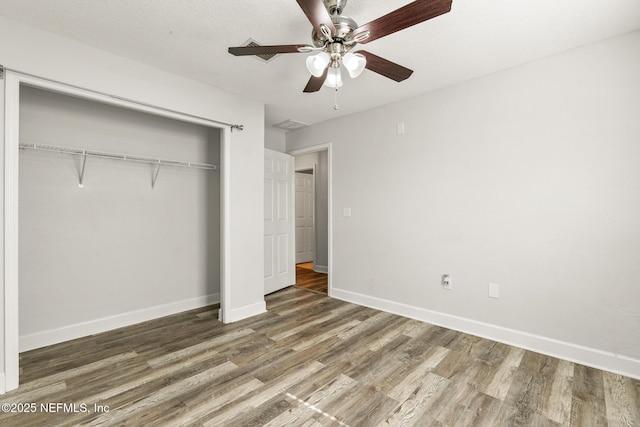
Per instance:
x=317, y=14
x=315, y=83
x=265, y=50
x=411, y=14
x=385, y=67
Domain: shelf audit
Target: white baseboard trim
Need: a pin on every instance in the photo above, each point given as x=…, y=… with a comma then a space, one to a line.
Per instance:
x=574, y=353
x=237, y=314
x=66, y=333
x=321, y=269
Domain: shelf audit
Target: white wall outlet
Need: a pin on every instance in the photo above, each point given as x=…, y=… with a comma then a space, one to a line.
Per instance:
x=400, y=128
x=346, y=211
x=494, y=290
x=446, y=282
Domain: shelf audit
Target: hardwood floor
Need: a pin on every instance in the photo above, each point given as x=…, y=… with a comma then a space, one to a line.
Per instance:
x=309, y=279
x=309, y=361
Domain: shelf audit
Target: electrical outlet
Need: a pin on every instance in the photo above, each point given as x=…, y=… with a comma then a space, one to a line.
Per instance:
x=446, y=282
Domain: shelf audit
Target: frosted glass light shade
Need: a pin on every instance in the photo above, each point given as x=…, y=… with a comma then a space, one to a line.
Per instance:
x=334, y=78
x=317, y=63
x=354, y=63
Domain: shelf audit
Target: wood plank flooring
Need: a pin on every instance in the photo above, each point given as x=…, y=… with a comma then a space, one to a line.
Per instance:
x=310, y=361
x=309, y=279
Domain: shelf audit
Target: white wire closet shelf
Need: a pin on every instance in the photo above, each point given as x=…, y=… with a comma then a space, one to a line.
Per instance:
x=114, y=156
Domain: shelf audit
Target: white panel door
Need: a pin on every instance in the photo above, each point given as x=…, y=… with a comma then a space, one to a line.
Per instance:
x=279, y=225
x=305, y=232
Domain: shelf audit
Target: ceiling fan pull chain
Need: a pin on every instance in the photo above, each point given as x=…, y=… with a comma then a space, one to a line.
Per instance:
x=335, y=97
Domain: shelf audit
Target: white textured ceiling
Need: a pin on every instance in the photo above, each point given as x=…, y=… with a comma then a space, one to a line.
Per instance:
x=190, y=38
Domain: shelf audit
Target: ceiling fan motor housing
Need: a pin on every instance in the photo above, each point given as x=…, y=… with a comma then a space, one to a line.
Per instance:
x=344, y=30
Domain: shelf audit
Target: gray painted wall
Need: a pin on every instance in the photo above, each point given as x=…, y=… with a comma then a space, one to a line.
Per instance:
x=274, y=140
x=528, y=178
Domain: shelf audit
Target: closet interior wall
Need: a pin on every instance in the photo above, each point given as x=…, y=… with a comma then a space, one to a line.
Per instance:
x=115, y=249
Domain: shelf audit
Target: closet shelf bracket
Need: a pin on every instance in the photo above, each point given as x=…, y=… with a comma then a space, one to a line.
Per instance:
x=84, y=162
x=155, y=176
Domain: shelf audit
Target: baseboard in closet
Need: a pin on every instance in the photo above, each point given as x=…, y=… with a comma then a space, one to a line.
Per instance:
x=66, y=333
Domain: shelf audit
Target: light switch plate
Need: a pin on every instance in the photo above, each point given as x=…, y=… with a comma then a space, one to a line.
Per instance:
x=346, y=211
x=494, y=290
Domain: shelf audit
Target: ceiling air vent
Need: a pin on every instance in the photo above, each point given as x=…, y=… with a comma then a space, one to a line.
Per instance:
x=290, y=125
x=266, y=58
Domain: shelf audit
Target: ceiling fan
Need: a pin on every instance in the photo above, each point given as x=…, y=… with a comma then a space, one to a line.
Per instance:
x=335, y=35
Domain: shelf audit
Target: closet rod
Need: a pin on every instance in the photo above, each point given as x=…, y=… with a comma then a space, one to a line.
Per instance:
x=233, y=126
x=113, y=156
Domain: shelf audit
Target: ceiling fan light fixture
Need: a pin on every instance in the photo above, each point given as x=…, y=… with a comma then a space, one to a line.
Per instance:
x=354, y=63
x=317, y=63
x=334, y=78
x=336, y=35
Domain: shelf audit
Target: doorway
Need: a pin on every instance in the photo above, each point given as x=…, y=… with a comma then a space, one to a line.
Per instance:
x=305, y=216
x=313, y=219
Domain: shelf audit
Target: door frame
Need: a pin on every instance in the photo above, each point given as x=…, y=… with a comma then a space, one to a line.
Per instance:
x=12, y=81
x=314, y=149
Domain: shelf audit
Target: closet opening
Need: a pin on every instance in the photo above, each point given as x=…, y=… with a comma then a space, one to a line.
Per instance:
x=104, y=242
x=99, y=241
